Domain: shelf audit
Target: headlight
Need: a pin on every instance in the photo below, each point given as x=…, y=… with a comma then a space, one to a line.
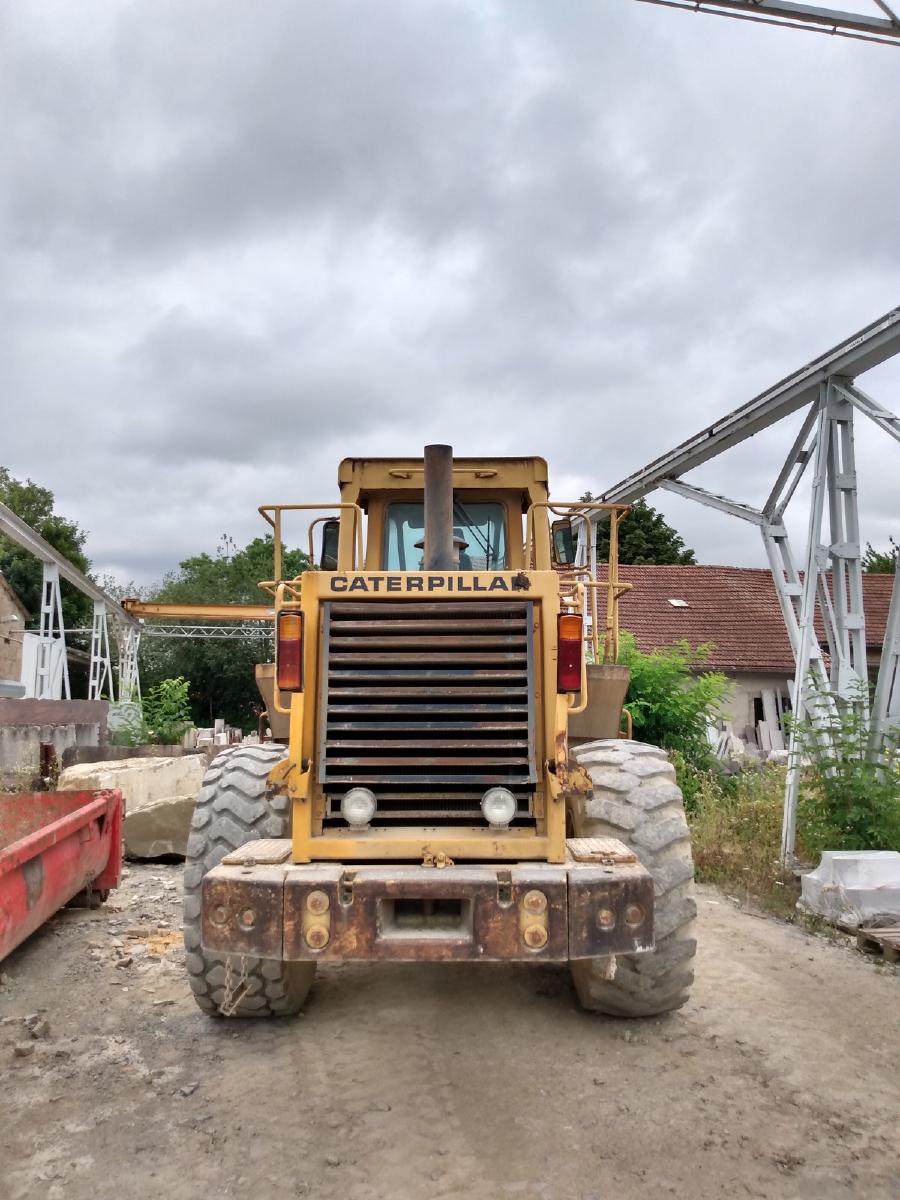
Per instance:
x=499, y=807
x=358, y=806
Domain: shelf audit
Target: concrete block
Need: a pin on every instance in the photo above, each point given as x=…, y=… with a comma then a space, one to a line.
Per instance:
x=853, y=887
x=142, y=781
x=159, y=828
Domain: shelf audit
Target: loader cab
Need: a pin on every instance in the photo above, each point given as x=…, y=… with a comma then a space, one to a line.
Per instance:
x=490, y=500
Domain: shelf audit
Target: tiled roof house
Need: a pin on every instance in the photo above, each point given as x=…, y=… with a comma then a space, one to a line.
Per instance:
x=736, y=610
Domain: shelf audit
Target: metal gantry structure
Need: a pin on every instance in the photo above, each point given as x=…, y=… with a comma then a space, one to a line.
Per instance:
x=826, y=576
x=51, y=678
x=881, y=26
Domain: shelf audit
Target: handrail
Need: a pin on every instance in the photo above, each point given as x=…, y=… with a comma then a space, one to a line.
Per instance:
x=265, y=509
x=615, y=588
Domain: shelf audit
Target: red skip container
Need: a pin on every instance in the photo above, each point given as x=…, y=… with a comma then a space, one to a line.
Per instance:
x=54, y=845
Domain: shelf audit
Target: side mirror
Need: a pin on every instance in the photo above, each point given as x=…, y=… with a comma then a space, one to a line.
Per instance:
x=329, y=556
x=562, y=543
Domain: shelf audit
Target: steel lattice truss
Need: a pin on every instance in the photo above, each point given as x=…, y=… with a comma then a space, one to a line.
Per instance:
x=882, y=26
x=50, y=680
x=827, y=575
x=227, y=633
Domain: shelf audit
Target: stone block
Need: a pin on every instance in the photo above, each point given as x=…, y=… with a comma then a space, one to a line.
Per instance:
x=851, y=888
x=142, y=781
x=159, y=828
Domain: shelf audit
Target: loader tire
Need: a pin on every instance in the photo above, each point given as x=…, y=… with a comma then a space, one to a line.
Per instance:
x=636, y=799
x=234, y=808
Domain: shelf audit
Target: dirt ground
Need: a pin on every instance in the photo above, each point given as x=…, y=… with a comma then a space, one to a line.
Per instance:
x=780, y=1079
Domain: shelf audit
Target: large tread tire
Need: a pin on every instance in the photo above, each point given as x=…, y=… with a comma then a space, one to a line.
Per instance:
x=235, y=807
x=636, y=799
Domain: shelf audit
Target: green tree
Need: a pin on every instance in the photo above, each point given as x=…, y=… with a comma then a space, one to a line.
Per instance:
x=644, y=537
x=23, y=572
x=221, y=671
x=880, y=562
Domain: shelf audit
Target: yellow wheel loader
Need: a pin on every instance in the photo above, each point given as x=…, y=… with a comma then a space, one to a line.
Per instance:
x=449, y=781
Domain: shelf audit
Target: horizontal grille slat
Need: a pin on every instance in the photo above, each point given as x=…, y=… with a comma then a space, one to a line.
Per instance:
x=401, y=727
x=403, y=634
x=429, y=610
x=436, y=657
x=428, y=703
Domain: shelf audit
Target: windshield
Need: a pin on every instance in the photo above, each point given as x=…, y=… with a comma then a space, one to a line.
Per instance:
x=480, y=527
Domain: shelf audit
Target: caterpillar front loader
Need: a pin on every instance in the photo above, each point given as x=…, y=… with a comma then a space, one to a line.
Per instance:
x=429, y=800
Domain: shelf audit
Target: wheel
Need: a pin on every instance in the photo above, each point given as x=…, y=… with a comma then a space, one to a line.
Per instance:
x=234, y=808
x=635, y=799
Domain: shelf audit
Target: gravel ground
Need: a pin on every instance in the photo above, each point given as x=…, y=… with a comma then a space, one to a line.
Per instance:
x=780, y=1079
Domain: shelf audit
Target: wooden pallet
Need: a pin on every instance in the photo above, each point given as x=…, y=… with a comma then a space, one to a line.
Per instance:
x=880, y=941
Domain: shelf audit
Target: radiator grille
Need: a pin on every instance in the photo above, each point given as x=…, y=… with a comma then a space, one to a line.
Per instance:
x=428, y=704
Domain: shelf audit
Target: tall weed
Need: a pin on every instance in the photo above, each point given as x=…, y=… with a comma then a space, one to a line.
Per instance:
x=849, y=793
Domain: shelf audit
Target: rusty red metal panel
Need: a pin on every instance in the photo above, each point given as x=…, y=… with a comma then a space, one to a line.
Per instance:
x=403, y=913
x=242, y=910
x=52, y=849
x=610, y=910
x=111, y=875
x=383, y=913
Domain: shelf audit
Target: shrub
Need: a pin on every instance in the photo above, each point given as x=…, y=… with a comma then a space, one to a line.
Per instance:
x=672, y=706
x=167, y=711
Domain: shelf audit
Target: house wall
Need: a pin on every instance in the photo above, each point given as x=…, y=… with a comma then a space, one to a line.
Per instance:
x=747, y=687
x=10, y=637
x=10, y=654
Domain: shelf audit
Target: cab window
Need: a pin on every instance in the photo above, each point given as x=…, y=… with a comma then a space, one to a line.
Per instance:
x=479, y=531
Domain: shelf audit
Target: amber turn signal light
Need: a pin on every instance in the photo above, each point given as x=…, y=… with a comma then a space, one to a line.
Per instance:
x=289, y=651
x=569, y=653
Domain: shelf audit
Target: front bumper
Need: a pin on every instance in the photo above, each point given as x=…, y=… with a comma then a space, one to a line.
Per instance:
x=399, y=912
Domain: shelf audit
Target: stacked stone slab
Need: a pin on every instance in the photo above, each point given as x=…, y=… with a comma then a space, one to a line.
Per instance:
x=159, y=796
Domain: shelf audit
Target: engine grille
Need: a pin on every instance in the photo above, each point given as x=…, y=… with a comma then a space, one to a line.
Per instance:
x=428, y=704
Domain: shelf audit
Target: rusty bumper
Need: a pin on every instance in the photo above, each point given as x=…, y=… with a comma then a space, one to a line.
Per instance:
x=488, y=912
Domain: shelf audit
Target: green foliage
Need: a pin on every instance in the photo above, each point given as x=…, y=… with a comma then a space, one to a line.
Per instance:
x=221, y=671
x=736, y=837
x=167, y=711
x=671, y=705
x=849, y=796
x=22, y=570
x=644, y=537
x=880, y=562
x=127, y=726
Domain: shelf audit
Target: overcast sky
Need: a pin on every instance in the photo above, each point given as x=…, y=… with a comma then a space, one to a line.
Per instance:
x=239, y=241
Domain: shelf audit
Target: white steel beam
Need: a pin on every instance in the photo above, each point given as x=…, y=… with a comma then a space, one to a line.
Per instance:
x=792, y=471
x=733, y=507
x=101, y=676
x=849, y=667
x=882, y=417
x=837, y=22
x=806, y=629
x=864, y=350
x=52, y=673
x=13, y=527
x=129, y=639
x=886, y=701
x=228, y=633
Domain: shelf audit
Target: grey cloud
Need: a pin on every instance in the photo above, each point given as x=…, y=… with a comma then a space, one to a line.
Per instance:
x=239, y=242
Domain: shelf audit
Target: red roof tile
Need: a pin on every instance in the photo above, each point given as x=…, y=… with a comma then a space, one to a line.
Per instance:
x=733, y=608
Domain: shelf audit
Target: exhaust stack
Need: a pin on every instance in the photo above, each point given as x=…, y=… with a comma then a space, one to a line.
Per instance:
x=439, y=552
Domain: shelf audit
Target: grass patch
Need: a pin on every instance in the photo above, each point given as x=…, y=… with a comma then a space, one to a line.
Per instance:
x=736, y=834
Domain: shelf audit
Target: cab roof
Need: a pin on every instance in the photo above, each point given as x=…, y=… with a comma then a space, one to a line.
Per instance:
x=359, y=478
